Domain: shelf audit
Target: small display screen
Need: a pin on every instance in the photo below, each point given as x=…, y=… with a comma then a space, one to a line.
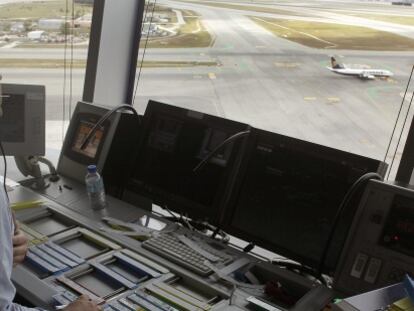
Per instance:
x=93, y=145
x=48, y=225
x=98, y=284
x=398, y=231
x=133, y=275
x=12, y=118
x=83, y=247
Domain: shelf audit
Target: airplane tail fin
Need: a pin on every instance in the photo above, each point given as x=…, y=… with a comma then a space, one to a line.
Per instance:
x=335, y=64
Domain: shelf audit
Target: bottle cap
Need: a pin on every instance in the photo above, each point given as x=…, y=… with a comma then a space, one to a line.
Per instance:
x=92, y=168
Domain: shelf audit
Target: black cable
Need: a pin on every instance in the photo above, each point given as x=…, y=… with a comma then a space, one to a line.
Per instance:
x=402, y=130
x=399, y=112
x=65, y=30
x=145, y=47
x=5, y=170
x=214, y=152
x=71, y=58
x=345, y=201
x=198, y=225
x=301, y=268
x=215, y=232
x=165, y=207
x=103, y=119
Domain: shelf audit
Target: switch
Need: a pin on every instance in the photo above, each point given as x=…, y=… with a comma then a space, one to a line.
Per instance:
x=374, y=267
x=359, y=265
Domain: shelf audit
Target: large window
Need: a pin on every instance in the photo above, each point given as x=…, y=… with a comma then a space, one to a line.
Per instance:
x=330, y=72
x=46, y=42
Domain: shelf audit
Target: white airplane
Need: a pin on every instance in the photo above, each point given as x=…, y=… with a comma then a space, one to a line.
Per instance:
x=360, y=73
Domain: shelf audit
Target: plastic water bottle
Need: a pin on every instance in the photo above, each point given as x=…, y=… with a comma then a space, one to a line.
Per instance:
x=95, y=188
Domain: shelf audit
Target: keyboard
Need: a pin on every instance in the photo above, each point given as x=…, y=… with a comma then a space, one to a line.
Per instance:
x=176, y=248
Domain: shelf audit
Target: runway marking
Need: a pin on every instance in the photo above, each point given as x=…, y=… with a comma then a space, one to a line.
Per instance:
x=309, y=98
x=331, y=44
x=333, y=100
x=212, y=75
x=197, y=77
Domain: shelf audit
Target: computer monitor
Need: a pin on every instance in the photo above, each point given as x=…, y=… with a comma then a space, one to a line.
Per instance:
x=22, y=119
x=174, y=140
x=111, y=148
x=289, y=193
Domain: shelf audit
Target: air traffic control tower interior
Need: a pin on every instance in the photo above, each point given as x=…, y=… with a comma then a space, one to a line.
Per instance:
x=169, y=236
x=202, y=213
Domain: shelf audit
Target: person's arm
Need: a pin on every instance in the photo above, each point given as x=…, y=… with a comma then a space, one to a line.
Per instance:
x=20, y=246
x=7, y=290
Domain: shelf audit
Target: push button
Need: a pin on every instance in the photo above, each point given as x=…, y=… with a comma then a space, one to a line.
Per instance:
x=359, y=265
x=374, y=267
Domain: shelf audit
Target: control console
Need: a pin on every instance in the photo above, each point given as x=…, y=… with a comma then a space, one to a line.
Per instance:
x=380, y=247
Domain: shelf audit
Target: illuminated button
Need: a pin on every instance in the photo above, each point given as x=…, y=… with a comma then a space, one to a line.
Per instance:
x=374, y=267
x=359, y=265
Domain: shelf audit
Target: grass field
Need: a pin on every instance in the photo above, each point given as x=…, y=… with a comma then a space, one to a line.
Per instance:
x=402, y=20
x=36, y=10
x=50, y=46
x=190, y=35
x=335, y=36
x=58, y=63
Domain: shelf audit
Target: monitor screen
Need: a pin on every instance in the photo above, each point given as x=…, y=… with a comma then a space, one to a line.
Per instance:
x=22, y=119
x=289, y=194
x=79, y=128
x=174, y=141
x=398, y=232
x=12, y=123
x=81, y=132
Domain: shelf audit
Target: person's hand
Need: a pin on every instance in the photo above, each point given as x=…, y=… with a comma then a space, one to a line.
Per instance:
x=20, y=246
x=84, y=303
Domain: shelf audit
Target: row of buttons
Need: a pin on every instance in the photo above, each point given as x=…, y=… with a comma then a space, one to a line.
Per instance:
x=372, y=271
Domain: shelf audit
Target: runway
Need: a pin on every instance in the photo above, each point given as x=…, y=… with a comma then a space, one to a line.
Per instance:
x=263, y=80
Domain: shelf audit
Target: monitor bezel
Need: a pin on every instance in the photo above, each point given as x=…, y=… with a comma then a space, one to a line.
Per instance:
x=76, y=156
x=178, y=203
x=300, y=145
x=34, y=143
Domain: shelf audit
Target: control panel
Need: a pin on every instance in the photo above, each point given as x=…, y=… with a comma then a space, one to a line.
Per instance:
x=380, y=247
x=71, y=255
